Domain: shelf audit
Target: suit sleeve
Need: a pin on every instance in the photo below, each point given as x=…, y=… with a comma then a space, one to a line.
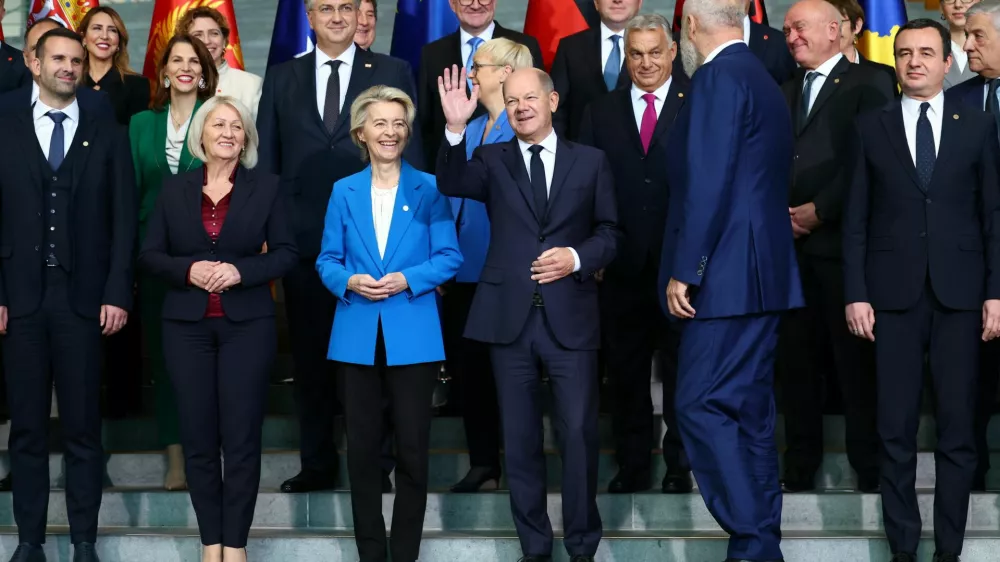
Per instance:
x=124, y=218
x=269, y=155
x=445, y=257
x=560, y=79
x=990, y=189
x=586, y=135
x=597, y=251
x=855, y=225
x=459, y=177
x=711, y=152
x=281, y=255
x=425, y=114
x=332, y=260
x=414, y=151
x=155, y=256
x=786, y=67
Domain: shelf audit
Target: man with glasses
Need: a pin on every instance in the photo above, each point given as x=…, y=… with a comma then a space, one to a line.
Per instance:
x=476, y=26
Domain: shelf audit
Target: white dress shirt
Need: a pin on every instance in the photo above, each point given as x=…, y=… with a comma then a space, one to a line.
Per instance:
x=383, y=201
x=175, y=142
x=607, y=45
x=243, y=86
x=639, y=104
x=959, y=57
x=323, y=76
x=465, y=36
x=746, y=29
x=718, y=50
x=911, y=112
x=44, y=125
x=986, y=95
x=822, y=71
x=34, y=92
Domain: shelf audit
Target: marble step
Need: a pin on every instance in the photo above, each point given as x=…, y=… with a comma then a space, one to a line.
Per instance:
x=469, y=513
x=183, y=545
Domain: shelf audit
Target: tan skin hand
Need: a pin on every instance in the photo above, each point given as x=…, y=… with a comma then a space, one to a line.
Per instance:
x=113, y=319
x=201, y=272
x=861, y=320
x=552, y=265
x=804, y=219
x=991, y=319
x=679, y=299
x=393, y=284
x=366, y=286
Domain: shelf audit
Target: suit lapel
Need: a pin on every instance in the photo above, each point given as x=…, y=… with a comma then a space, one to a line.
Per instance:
x=565, y=158
x=408, y=199
x=187, y=160
x=359, y=202
x=515, y=164
x=32, y=150
x=160, y=119
x=362, y=70
x=242, y=189
x=594, y=54
x=624, y=99
x=305, y=73
x=830, y=85
x=951, y=132
x=668, y=113
x=892, y=119
x=81, y=146
x=192, y=201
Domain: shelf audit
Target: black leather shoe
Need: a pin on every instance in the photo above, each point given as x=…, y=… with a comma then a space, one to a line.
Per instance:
x=6, y=485
x=677, y=483
x=940, y=557
x=535, y=559
x=85, y=552
x=796, y=482
x=305, y=482
x=582, y=559
x=868, y=484
x=479, y=478
x=28, y=553
x=904, y=557
x=978, y=483
x=630, y=481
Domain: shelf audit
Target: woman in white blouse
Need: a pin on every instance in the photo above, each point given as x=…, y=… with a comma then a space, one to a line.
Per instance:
x=211, y=27
x=186, y=77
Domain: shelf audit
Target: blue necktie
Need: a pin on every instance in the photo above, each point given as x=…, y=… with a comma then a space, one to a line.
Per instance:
x=614, y=66
x=57, y=146
x=926, y=155
x=475, y=42
x=807, y=94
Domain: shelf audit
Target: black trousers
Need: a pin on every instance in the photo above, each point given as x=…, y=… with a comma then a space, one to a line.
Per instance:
x=55, y=344
x=219, y=370
x=123, y=368
x=409, y=388
x=634, y=327
x=468, y=363
x=805, y=338
x=989, y=378
x=952, y=339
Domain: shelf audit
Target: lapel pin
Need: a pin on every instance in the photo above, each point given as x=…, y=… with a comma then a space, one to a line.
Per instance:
x=765, y=38
x=955, y=117
x=680, y=94
x=368, y=65
x=406, y=208
x=9, y=59
x=836, y=80
x=85, y=143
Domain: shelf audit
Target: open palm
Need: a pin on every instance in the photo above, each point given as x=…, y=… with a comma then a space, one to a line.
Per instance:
x=458, y=107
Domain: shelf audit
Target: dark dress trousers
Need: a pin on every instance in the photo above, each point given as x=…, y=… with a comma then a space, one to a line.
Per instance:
x=556, y=325
x=632, y=323
x=441, y=54
x=295, y=145
x=220, y=348
x=925, y=256
x=822, y=175
x=13, y=73
x=83, y=217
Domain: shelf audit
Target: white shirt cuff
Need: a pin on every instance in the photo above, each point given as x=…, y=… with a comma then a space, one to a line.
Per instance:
x=453, y=138
x=576, y=260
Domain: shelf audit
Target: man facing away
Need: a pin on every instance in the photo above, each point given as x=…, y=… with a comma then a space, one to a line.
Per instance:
x=728, y=268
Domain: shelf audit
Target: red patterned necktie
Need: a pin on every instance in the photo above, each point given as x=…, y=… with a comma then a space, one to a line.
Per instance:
x=648, y=121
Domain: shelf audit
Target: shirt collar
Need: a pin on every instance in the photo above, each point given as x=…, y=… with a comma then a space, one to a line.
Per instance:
x=34, y=92
x=912, y=106
x=548, y=143
x=746, y=29
x=347, y=57
x=486, y=35
x=72, y=111
x=660, y=93
x=827, y=67
x=606, y=33
x=857, y=56
x=711, y=56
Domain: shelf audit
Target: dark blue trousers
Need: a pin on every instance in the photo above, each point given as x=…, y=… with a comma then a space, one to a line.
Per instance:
x=725, y=413
x=573, y=378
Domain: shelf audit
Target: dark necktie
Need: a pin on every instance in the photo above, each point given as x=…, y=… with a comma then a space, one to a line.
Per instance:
x=538, y=181
x=807, y=94
x=57, y=146
x=331, y=108
x=926, y=155
x=992, y=105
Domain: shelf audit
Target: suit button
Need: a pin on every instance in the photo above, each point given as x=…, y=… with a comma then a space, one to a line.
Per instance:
x=212, y=252
x=796, y=156
x=649, y=180
x=36, y=248
x=928, y=200
x=541, y=239
x=923, y=235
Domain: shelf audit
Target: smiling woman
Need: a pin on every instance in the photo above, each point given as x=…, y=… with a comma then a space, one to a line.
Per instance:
x=106, y=66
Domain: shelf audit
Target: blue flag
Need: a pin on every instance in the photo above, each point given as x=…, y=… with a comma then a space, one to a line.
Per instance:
x=882, y=19
x=292, y=36
x=419, y=22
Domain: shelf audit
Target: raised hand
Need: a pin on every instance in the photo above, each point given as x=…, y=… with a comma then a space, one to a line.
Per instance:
x=457, y=106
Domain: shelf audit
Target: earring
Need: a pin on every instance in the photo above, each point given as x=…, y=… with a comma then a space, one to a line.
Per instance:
x=943, y=18
x=202, y=84
x=166, y=82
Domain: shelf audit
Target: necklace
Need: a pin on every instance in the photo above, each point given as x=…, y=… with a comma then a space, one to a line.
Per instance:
x=177, y=124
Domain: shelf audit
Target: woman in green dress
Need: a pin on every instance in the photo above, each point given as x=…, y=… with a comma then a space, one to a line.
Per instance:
x=186, y=77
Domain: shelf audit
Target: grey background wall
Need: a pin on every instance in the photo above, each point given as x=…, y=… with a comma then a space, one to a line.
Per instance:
x=256, y=22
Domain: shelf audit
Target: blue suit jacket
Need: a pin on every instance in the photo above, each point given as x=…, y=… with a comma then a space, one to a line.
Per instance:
x=972, y=93
x=422, y=246
x=471, y=216
x=728, y=234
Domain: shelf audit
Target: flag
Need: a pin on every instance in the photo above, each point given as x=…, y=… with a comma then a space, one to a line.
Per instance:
x=882, y=19
x=551, y=20
x=292, y=36
x=69, y=12
x=166, y=14
x=419, y=22
x=678, y=15
x=758, y=13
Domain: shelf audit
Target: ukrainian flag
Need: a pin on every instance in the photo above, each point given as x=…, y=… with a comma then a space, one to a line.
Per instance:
x=882, y=19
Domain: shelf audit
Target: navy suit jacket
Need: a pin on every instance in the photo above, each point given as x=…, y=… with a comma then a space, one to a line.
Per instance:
x=582, y=214
x=728, y=234
x=972, y=93
x=91, y=100
x=295, y=145
x=770, y=47
x=13, y=73
x=896, y=235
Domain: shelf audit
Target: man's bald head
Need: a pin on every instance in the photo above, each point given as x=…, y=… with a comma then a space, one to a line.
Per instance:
x=812, y=31
x=531, y=100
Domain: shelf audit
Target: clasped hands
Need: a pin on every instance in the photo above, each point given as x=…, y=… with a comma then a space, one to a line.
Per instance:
x=366, y=285
x=214, y=276
x=804, y=219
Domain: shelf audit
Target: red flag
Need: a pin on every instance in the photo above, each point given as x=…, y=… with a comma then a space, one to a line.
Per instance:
x=758, y=13
x=678, y=15
x=69, y=12
x=548, y=21
x=166, y=14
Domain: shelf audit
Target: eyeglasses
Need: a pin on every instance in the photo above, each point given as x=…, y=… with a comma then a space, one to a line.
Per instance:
x=953, y=2
x=476, y=66
x=483, y=3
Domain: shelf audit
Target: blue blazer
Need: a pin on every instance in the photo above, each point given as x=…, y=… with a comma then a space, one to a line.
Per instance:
x=728, y=234
x=471, y=217
x=422, y=245
x=972, y=93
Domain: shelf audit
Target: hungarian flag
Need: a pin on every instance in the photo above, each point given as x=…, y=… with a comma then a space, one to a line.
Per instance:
x=758, y=13
x=166, y=14
x=69, y=12
x=548, y=21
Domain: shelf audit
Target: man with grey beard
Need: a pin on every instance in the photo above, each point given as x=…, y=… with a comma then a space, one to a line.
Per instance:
x=728, y=271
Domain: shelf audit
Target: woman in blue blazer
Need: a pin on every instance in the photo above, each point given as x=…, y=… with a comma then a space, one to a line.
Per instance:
x=389, y=241
x=468, y=360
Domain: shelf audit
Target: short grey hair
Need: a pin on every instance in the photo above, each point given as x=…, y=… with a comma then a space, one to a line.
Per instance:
x=310, y=4
x=649, y=22
x=543, y=79
x=368, y=98
x=715, y=14
x=249, y=156
x=987, y=8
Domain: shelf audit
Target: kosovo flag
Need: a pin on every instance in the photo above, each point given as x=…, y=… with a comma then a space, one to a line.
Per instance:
x=419, y=22
x=883, y=18
x=292, y=36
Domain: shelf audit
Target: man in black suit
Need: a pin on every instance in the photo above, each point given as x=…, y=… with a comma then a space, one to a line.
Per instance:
x=476, y=26
x=631, y=127
x=305, y=137
x=825, y=95
x=66, y=248
x=589, y=64
x=13, y=74
x=921, y=256
x=553, y=226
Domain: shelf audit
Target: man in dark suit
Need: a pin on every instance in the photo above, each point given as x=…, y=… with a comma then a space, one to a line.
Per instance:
x=13, y=74
x=589, y=64
x=305, y=137
x=729, y=270
x=66, y=248
x=921, y=256
x=632, y=126
x=766, y=42
x=476, y=26
x=367, y=18
x=552, y=227
x=825, y=95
